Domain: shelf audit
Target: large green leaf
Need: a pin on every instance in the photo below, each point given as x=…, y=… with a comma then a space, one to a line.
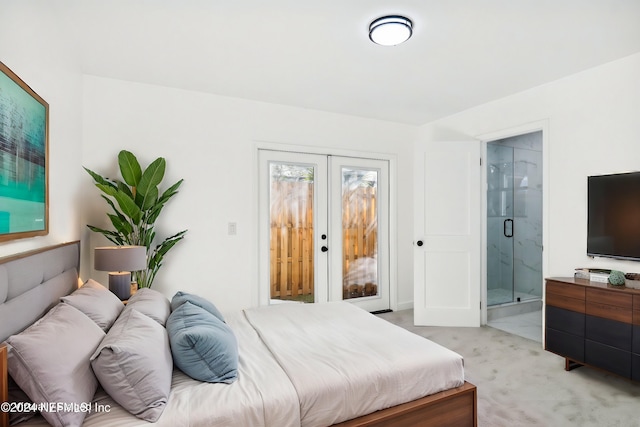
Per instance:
x=121, y=224
x=122, y=186
x=154, y=213
x=128, y=207
x=170, y=192
x=129, y=168
x=152, y=176
x=149, y=200
x=113, y=206
x=156, y=209
x=109, y=189
x=99, y=179
x=169, y=242
x=111, y=235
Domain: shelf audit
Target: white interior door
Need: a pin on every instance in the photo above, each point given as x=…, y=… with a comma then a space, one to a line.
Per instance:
x=447, y=223
x=324, y=229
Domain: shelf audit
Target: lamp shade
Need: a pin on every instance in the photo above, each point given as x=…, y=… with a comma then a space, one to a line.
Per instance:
x=120, y=258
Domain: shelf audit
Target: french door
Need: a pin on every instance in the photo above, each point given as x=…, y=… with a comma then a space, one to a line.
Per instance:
x=324, y=229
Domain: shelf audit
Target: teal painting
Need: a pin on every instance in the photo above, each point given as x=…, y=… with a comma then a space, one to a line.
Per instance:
x=23, y=159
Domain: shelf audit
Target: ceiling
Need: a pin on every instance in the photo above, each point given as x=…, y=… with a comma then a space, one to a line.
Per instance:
x=317, y=55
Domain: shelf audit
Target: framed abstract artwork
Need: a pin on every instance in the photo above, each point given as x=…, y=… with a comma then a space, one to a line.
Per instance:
x=24, y=156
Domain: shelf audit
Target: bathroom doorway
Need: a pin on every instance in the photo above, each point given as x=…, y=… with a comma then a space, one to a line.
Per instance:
x=514, y=225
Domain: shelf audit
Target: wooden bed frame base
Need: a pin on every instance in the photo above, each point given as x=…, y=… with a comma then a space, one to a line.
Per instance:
x=450, y=408
x=4, y=385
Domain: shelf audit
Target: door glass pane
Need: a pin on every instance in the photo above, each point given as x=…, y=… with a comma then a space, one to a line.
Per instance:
x=360, y=232
x=500, y=223
x=291, y=241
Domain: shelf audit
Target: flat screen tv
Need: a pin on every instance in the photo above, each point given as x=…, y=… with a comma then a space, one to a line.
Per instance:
x=613, y=228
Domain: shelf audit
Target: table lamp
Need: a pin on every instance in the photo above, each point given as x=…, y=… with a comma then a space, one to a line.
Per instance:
x=120, y=261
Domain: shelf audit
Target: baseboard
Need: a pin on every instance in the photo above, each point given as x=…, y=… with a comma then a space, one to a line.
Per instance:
x=405, y=306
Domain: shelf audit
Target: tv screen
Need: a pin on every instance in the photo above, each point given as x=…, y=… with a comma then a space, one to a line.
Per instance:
x=613, y=228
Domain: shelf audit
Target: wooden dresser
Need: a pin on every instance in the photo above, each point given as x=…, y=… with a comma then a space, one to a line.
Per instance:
x=594, y=324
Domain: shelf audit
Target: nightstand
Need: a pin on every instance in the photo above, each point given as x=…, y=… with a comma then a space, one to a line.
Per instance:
x=134, y=289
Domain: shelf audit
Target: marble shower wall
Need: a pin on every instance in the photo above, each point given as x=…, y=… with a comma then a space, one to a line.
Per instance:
x=514, y=178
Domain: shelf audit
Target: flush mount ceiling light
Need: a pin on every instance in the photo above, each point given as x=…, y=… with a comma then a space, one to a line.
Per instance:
x=390, y=30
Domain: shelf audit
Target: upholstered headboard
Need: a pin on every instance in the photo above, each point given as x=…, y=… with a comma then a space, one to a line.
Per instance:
x=33, y=282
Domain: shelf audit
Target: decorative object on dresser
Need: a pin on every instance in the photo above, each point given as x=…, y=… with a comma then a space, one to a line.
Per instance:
x=24, y=156
x=594, y=324
x=616, y=278
x=593, y=274
x=120, y=261
x=137, y=204
x=632, y=280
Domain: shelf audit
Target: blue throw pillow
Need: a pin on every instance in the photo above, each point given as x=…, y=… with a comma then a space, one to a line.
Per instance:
x=181, y=297
x=202, y=346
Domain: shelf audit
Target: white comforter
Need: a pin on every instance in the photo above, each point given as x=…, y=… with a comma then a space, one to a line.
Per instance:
x=345, y=362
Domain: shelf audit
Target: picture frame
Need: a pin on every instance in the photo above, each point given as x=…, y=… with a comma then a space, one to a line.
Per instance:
x=24, y=159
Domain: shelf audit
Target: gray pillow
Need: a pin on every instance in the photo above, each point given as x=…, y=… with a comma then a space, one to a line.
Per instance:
x=97, y=302
x=181, y=297
x=49, y=361
x=152, y=303
x=203, y=346
x=134, y=366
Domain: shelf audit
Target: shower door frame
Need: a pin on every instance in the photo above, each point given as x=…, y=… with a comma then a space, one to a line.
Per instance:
x=543, y=126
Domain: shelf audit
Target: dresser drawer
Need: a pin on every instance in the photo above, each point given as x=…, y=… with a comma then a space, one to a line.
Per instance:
x=609, y=332
x=635, y=367
x=566, y=290
x=564, y=344
x=612, y=312
x=561, y=301
x=609, y=358
x=563, y=320
x=636, y=309
x=609, y=297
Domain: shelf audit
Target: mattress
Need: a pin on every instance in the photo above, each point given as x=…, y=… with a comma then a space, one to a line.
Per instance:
x=345, y=362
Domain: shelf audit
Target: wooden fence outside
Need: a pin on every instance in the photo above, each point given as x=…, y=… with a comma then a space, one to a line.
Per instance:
x=292, y=251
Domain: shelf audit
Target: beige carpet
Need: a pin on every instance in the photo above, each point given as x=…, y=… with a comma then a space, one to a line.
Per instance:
x=520, y=384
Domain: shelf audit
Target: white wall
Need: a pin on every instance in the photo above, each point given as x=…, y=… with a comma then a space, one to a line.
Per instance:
x=210, y=141
x=34, y=47
x=593, y=123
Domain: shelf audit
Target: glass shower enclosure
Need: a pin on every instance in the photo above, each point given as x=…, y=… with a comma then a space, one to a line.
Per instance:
x=514, y=219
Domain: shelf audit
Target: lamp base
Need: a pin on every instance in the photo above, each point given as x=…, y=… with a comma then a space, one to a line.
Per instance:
x=120, y=284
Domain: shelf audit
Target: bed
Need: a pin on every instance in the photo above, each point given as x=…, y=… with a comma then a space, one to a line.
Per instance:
x=298, y=365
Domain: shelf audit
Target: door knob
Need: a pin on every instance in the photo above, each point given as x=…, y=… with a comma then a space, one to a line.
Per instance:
x=419, y=243
x=324, y=249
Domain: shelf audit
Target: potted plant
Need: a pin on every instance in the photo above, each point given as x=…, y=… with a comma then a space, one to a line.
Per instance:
x=136, y=204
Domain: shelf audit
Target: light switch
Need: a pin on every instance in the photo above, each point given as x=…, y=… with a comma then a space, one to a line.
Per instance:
x=232, y=228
